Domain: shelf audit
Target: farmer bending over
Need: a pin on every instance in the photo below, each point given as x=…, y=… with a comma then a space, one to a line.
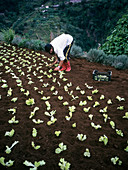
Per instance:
x=60, y=47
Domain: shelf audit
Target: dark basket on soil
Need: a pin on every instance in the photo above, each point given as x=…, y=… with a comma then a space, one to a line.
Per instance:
x=102, y=76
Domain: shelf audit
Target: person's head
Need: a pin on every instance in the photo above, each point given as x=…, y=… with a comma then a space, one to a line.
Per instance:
x=49, y=48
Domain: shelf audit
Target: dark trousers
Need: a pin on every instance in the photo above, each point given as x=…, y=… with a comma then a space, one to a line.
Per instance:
x=67, y=52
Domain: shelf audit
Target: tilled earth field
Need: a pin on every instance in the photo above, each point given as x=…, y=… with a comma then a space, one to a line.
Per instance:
x=91, y=116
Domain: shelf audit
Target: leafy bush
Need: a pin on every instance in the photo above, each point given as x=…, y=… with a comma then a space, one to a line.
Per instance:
x=16, y=40
x=117, y=43
x=8, y=35
x=121, y=62
x=32, y=44
x=76, y=51
x=95, y=55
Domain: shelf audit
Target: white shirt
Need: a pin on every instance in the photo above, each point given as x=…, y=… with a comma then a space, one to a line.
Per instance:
x=59, y=44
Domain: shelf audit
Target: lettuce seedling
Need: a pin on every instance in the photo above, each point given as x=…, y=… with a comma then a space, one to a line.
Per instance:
x=82, y=92
x=89, y=98
x=104, y=110
x=89, y=87
x=30, y=102
x=119, y=132
x=69, y=84
x=9, y=93
x=45, y=98
x=13, y=110
x=35, y=165
x=60, y=97
x=120, y=108
x=52, y=88
x=10, y=134
x=53, y=112
x=33, y=112
x=96, y=104
x=4, y=86
x=65, y=103
x=74, y=97
x=81, y=137
x=27, y=93
x=13, y=120
x=82, y=103
x=78, y=88
x=8, y=149
x=86, y=109
x=90, y=116
x=126, y=115
x=61, y=148
x=109, y=101
x=126, y=149
x=103, y=139
x=112, y=123
x=95, y=126
x=65, y=88
x=106, y=117
x=34, y=132
x=95, y=91
x=74, y=125
x=119, y=98
x=87, y=153
x=64, y=165
x=102, y=97
x=116, y=160
x=57, y=133
x=72, y=108
x=7, y=164
x=35, y=147
x=64, y=79
x=14, y=99
x=52, y=121
x=38, y=121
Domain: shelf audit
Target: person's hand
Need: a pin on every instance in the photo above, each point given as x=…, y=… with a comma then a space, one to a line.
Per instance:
x=57, y=69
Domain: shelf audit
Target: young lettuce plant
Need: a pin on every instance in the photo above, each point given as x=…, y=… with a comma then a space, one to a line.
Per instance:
x=13, y=120
x=81, y=137
x=34, y=132
x=8, y=149
x=86, y=109
x=10, y=134
x=35, y=165
x=89, y=87
x=119, y=132
x=116, y=160
x=102, y=97
x=95, y=91
x=82, y=103
x=87, y=153
x=61, y=148
x=96, y=104
x=9, y=93
x=120, y=108
x=57, y=133
x=126, y=115
x=34, y=146
x=89, y=98
x=33, y=112
x=6, y=164
x=64, y=165
x=38, y=121
x=65, y=103
x=13, y=110
x=90, y=116
x=74, y=125
x=95, y=126
x=112, y=123
x=109, y=101
x=30, y=102
x=14, y=99
x=120, y=99
x=103, y=139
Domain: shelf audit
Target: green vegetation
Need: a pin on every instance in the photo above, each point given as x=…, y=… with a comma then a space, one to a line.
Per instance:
x=117, y=42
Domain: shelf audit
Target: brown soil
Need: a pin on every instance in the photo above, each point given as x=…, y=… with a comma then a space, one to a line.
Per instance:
x=80, y=74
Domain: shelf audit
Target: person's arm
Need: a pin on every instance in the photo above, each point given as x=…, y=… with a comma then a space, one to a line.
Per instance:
x=60, y=64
